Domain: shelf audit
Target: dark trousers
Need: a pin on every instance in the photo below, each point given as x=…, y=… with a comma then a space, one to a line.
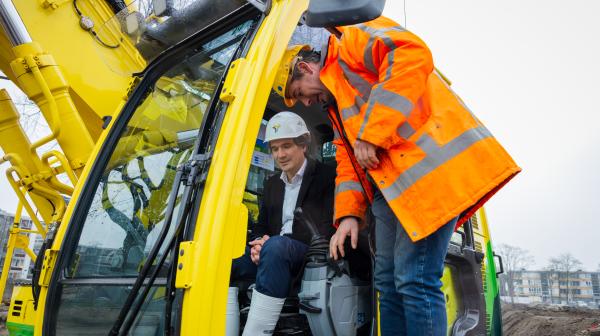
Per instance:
x=281, y=260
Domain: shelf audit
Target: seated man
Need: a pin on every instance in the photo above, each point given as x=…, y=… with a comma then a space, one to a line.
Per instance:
x=276, y=256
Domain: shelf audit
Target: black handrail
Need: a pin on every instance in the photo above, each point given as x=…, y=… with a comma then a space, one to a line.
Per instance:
x=151, y=257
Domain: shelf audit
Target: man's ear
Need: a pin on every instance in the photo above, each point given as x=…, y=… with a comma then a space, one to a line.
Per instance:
x=305, y=67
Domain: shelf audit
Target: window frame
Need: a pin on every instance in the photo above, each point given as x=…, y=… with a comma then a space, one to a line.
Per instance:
x=166, y=61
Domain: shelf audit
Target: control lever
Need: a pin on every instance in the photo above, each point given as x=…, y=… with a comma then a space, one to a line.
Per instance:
x=308, y=222
x=318, y=251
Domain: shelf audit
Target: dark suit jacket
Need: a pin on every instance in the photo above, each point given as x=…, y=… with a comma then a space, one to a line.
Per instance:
x=315, y=197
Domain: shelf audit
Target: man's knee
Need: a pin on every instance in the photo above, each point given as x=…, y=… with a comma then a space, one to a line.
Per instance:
x=274, y=248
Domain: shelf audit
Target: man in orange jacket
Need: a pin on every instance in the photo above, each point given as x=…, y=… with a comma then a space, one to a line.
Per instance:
x=407, y=144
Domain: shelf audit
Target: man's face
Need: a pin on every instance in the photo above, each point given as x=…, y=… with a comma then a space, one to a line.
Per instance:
x=308, y=89
x=287, y=154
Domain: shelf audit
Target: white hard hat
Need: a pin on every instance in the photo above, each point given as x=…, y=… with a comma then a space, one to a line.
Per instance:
x=285, y=125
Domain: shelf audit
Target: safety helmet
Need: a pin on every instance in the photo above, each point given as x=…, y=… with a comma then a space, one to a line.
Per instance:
x=285, y=71
x=285, y=125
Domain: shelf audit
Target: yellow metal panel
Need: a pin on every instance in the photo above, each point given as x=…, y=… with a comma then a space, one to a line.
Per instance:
x=22, y=313
x=241, y=231
x=204, y=302
x=6, y=55
x=96, y=87
x=453, y=299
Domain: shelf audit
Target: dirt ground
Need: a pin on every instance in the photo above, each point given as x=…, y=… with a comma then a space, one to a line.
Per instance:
x=523, y=320
x=518, y=320
x=3, y=313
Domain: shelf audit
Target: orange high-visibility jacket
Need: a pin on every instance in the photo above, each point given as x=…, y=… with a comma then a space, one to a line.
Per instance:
x=437, y=160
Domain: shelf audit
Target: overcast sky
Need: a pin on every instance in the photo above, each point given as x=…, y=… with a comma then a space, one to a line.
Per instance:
x=530, y=71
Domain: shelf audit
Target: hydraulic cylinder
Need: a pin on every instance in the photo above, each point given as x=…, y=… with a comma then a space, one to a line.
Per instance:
x=16, y=147
x=42, y=80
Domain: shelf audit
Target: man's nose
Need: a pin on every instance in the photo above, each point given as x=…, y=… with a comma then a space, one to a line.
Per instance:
x=305, y=101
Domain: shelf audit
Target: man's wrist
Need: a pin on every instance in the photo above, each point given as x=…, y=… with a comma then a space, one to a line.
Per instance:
x=346, y=217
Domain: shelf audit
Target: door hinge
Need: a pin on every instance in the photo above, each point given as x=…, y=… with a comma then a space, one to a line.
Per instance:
x=185, y=265
x=234, y=82
x=47, y=267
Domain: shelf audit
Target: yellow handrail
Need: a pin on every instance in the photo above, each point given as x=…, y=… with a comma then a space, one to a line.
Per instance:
x=64, y=163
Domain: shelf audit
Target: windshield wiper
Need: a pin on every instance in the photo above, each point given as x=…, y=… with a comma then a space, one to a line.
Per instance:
x=191, y=174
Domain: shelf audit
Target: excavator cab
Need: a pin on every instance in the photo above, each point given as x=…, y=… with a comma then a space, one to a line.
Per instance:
x=163, y=207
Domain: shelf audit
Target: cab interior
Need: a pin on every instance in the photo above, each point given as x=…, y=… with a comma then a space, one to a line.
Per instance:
x=322, y=149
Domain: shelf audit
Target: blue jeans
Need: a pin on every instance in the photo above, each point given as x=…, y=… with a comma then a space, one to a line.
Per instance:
x=408, y=276
x=281, y=259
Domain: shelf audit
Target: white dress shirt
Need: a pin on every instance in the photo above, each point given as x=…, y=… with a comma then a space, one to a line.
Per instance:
x=290, y=197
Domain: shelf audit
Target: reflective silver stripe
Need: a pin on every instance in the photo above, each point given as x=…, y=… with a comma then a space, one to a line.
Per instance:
x=379, y=95
x=336, y=135
x=374, y=34
x=357, y=82
x=436, y=156
x=349, y=112
x=353, y=110
x=392, y=100
x=405, y=130
x=348, y=185
x=388, y=71
x=388, y=98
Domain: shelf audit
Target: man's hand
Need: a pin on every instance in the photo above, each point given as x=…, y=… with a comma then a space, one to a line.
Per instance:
x=366, y=154
x=348, y=227
x=256, y=247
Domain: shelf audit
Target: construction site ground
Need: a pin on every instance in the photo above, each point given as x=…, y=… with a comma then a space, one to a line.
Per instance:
x=541, y=320
x=3, y=314
x=518, y=320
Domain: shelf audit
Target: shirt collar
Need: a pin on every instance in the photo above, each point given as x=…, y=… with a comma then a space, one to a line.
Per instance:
x=296, y=177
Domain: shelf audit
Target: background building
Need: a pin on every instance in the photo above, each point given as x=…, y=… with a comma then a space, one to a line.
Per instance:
x=578, y=288
x=21, y=265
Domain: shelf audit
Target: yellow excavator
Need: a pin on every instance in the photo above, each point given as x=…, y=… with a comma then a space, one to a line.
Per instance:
x=159, y=107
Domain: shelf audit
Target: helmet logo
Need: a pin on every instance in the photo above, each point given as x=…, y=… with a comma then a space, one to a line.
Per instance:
x=276, y=127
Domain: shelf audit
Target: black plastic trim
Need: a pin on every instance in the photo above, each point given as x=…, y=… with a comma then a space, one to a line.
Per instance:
x=110, y=281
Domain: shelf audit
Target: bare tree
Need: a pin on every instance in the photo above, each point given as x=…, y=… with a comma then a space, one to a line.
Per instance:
x=514, y=259
x=564, y=263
